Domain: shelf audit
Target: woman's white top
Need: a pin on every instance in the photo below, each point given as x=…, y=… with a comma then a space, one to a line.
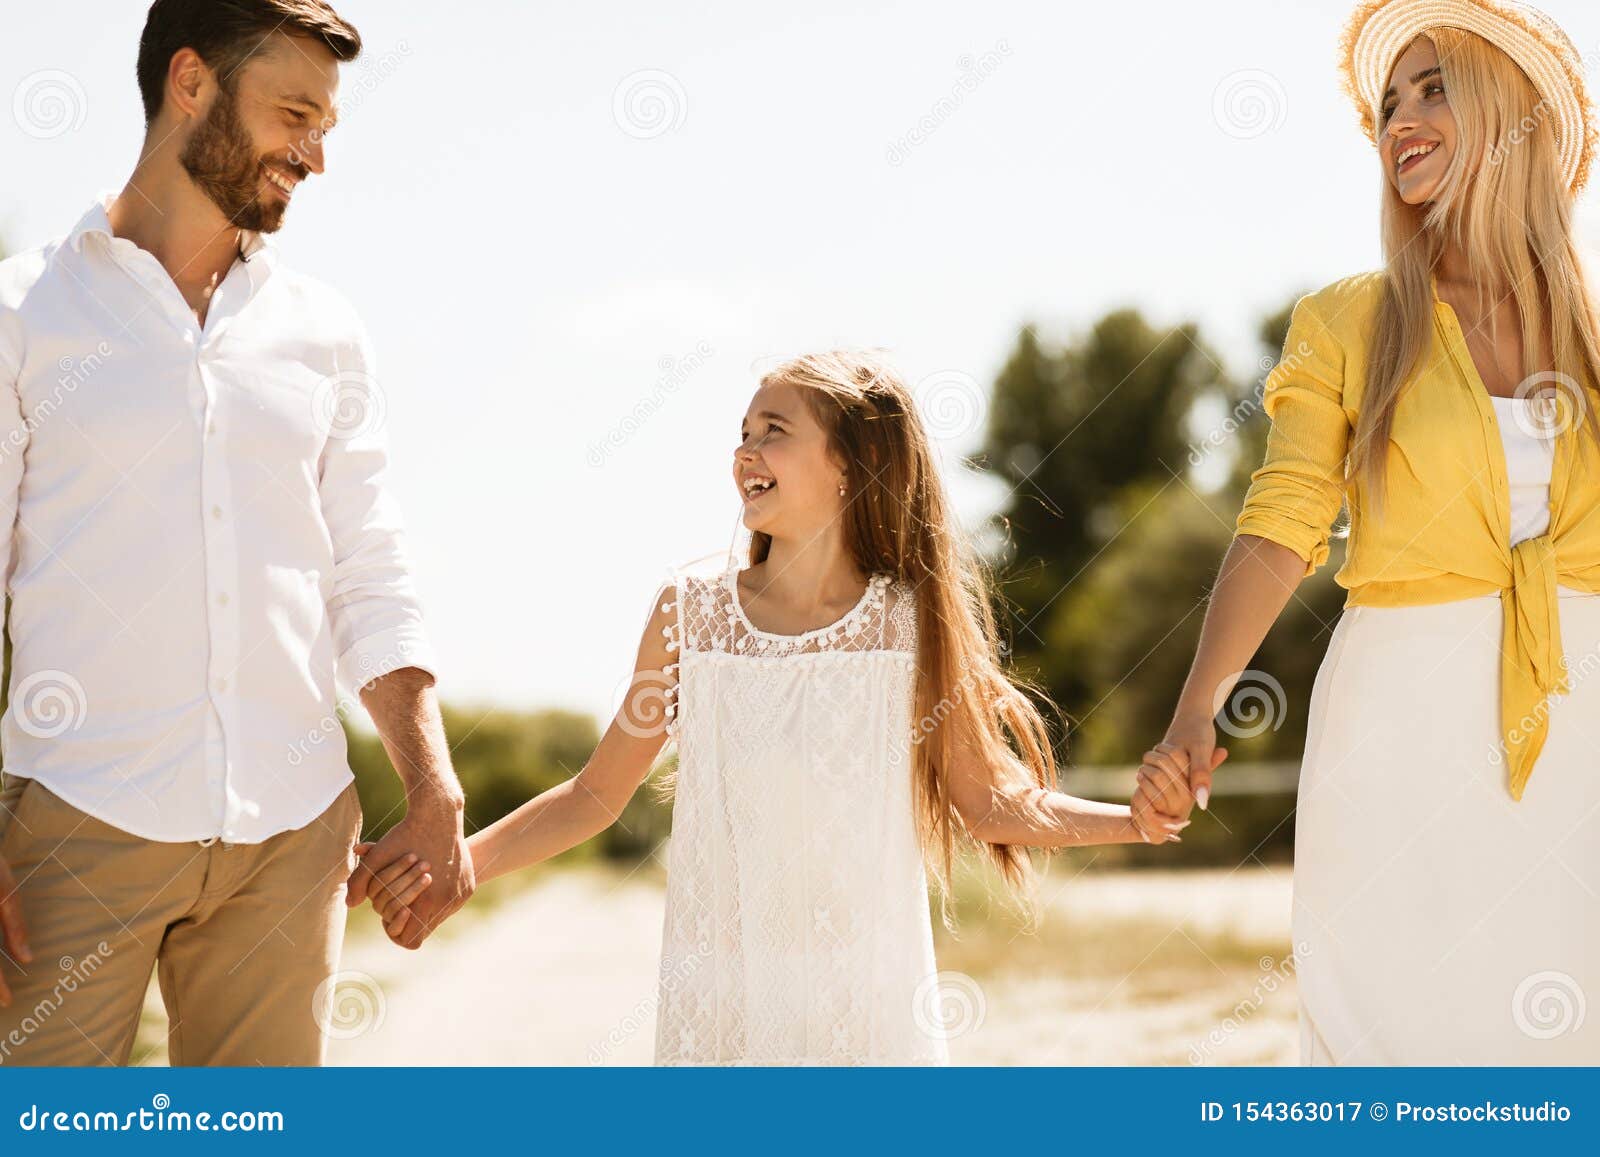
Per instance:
x=1530, y=459
x=797, y=921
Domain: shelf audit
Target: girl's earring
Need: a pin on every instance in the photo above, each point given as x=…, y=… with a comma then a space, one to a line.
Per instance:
x=841, y=490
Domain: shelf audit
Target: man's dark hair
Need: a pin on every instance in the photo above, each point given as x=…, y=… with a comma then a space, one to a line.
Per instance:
x=226, y=33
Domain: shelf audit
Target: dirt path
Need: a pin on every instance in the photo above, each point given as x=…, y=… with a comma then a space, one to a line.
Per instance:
x=1129, y=968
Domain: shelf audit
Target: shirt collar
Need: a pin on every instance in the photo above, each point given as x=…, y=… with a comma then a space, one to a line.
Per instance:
x=98, y=220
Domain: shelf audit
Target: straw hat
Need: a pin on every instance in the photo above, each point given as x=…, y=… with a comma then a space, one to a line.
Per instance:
x=1379, y=31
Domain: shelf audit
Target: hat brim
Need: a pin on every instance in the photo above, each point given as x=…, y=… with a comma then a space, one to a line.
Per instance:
x=1379, y=31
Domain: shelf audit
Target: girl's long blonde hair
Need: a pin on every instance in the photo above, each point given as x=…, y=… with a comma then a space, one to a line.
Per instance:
x=898, y=521
x=1505, y=205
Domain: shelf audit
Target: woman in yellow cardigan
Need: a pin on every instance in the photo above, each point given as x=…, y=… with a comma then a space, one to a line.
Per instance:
x=1447, y=870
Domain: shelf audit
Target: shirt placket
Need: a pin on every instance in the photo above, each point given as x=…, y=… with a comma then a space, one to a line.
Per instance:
x=222, y=560
x=205, y=399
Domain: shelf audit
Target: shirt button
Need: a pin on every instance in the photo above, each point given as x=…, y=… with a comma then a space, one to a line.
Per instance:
x=222, y=599
x=216, y=512
x=211, y=429
x=222, y=684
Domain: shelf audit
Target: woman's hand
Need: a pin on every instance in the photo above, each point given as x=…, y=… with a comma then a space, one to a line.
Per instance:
x=1192, y=741
x=1161, y=801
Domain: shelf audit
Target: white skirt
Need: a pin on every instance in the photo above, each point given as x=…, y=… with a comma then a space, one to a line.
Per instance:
x=1437, y=920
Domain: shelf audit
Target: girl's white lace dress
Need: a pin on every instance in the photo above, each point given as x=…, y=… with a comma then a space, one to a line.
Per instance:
x=797, y=925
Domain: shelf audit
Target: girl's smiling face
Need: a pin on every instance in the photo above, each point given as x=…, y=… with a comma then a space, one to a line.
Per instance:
x=1416, y=129
x=783, y=468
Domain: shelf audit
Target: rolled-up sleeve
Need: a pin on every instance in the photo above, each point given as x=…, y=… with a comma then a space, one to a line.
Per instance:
x=375, y=613
x=1295, y=495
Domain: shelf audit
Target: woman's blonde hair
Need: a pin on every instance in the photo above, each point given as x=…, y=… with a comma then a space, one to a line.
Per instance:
x=1504, y=204
x=898, y=521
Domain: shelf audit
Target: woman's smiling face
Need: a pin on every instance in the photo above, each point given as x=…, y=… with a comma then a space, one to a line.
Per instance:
x=1416, y=129
x=783, y=468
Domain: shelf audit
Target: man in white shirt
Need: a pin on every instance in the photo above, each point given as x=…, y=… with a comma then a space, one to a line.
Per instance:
x=197, y=543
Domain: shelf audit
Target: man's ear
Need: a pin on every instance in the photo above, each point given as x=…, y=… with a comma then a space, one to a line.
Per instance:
x=187, y=80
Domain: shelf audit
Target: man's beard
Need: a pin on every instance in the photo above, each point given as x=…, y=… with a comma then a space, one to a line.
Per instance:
x=220, y=157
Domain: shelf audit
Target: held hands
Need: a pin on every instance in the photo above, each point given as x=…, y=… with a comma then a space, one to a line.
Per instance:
x=392, y=889
x=1175, y=774
x=417, y=875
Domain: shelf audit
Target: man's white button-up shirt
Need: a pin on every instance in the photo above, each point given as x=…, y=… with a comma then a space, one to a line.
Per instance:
x=196, y=538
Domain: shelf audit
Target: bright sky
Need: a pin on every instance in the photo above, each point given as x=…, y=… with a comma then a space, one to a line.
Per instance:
x=577, y=232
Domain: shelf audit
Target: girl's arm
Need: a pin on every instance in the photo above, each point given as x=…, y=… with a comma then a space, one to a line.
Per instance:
x=1007, y=809
x=589, y=802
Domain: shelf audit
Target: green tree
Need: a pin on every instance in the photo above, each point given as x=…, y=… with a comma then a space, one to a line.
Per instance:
x=1110, y=545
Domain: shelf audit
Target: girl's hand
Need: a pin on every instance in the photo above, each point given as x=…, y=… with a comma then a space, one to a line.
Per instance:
x=1160, y=802
x=394, y=888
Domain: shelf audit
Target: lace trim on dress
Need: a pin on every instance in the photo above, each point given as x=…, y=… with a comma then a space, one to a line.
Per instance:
x=673, y=632
x=711, y=618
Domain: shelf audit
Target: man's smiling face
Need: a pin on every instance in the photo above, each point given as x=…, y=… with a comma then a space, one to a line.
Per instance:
x=264, y=130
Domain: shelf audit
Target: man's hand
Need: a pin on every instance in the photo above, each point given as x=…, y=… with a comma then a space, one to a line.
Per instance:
x=406, y=714
x=13, y=931
x=431, y=832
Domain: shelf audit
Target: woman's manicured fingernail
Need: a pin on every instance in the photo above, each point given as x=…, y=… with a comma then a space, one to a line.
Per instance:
x=1202, y=797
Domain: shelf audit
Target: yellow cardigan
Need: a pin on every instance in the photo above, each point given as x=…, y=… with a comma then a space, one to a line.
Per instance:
x=1446, y=525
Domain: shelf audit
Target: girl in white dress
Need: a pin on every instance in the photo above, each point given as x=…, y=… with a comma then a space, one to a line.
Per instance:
x=840, y=709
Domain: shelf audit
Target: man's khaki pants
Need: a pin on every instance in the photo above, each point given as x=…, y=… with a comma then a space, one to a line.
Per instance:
x=246, y=936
